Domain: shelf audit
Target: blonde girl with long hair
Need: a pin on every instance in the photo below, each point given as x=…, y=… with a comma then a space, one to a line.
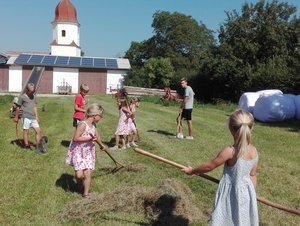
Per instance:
x=235, y=202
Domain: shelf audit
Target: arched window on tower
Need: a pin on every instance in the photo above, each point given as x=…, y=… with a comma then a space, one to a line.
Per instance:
x=63, y=33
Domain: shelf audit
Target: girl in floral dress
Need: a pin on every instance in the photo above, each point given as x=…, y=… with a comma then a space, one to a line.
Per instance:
x=81, y=152
x=123, y=126
x=133, y=131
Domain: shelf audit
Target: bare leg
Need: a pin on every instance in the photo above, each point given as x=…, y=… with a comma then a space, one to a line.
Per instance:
x=117, y=137
x=25, y=136
x=190, y=127
x=133, y=136
x=130, y=138
x=123, y=141
x=78, y=177
x=180, y=126
x=87, y=181
x=178, y=120
x=37, y=135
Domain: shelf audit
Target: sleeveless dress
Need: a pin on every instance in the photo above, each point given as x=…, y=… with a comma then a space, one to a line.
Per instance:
x=123, y=126
x=81, y=155
x=235, y=202
x=131, y=122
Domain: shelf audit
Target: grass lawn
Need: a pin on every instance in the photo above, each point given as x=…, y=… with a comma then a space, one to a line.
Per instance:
x=36, y=188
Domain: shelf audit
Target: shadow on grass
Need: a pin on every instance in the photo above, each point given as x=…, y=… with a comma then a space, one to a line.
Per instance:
x=110, y=143
x=20, y=143
x=65, y=143
x=289, y=125
x=166, y=205
x=166, y=133
x=66, y=182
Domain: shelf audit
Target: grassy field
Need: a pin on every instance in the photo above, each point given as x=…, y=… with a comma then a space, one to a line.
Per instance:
x=37, y=188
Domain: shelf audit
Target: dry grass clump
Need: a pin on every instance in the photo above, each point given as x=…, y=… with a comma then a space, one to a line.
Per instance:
x=171, y=203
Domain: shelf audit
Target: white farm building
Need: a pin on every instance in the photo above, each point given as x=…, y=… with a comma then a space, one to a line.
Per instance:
x=65, y=65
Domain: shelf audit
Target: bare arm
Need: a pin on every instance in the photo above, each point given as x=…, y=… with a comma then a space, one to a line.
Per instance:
x=36, y=113
x=77, y=108
x=220, y=159
x=79, y=131
x=16, y=118
x=185, y=99
x=97, y=138
x=253, y=176
x=127, y=111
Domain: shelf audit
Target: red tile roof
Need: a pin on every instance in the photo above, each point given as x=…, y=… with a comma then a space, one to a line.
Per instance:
x=65, y=12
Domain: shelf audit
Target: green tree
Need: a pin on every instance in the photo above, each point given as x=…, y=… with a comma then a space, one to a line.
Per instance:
x=177, y=37
x=182, y=39
x=257, y=50
x=159, y=72
x=156, y=73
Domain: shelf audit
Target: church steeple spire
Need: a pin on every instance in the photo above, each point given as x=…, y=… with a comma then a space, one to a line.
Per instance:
x=65, y=11
x=66, y=33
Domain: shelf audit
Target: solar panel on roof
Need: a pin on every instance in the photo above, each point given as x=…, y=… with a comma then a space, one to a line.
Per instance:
x=62, y=60
x=87, y=62
x=67, y=61
x=36, y=59
x=111, y=63
x=23, y=58
x=99, y=62
x=74, y=61
x=3, y=60
x=49, y=60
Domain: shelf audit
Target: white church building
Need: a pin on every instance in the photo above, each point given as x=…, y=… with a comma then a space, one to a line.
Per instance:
x=64, y=65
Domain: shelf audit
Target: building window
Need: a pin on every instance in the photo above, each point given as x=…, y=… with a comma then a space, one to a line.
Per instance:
x=63, y=33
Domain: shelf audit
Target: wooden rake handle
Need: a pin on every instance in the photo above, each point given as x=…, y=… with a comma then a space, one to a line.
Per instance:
x=179, y=166
x=103, y=149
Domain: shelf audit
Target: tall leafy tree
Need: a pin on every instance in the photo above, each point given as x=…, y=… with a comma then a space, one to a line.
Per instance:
x=159, y=72
x=177, y=37
x=259, y=45
x=182, y=39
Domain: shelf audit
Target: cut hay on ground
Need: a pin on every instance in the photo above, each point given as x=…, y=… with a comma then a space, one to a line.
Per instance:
x=171, y=203
x=126, y=168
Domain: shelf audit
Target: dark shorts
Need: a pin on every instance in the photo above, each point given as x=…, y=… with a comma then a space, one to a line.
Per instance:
x=75, y=122
x=187, y=114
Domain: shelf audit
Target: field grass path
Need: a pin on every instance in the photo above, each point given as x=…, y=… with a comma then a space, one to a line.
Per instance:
x=35, y=188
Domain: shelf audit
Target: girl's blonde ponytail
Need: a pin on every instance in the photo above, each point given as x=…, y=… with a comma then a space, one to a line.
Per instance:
x=240, y=125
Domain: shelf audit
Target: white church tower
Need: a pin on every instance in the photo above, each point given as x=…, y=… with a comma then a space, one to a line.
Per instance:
x=66, y=30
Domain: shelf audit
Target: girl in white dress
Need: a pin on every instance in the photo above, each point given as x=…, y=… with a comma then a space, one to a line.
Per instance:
x=235, y=202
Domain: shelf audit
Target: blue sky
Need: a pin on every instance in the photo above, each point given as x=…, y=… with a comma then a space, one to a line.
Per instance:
x=107, y=26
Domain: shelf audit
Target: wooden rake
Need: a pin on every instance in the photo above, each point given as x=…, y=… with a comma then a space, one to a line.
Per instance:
x=118, y=164
x=179, y=166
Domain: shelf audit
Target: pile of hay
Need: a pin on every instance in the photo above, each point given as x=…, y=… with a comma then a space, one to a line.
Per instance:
x=171, y=203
